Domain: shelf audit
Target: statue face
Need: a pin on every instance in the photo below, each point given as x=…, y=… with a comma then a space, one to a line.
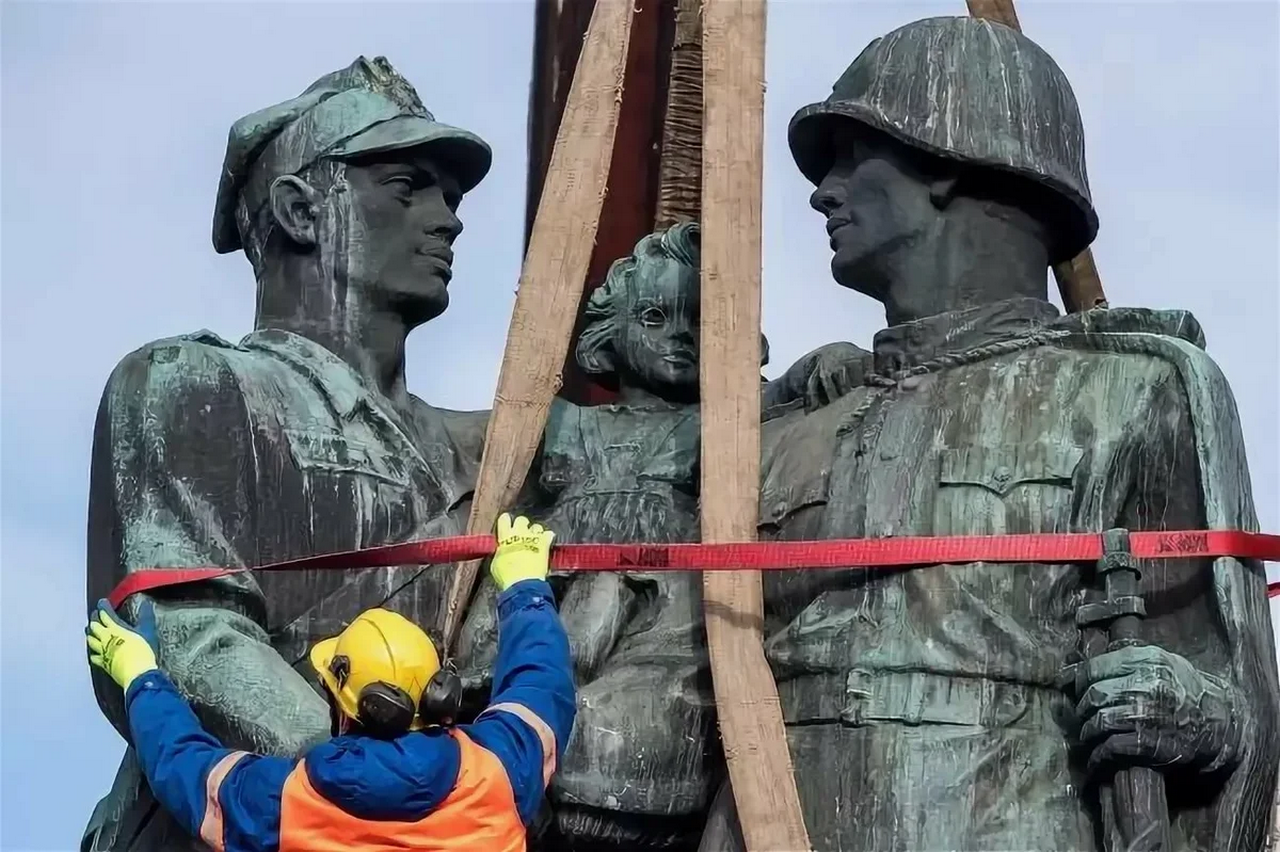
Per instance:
x=876, y=198
x=657, y=343
x=403, y=221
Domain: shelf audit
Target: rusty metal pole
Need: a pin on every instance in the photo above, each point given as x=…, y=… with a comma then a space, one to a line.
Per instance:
x=680, y=169
x=1078, y=279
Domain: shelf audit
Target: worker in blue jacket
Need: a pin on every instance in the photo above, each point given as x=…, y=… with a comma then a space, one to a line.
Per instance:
x=398, y=774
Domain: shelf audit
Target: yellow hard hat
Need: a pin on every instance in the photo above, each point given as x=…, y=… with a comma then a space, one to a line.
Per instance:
x=379, y=648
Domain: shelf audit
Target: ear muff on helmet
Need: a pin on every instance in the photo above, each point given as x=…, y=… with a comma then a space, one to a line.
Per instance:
x=442, y=699
x=382, y=709
x=385, y=710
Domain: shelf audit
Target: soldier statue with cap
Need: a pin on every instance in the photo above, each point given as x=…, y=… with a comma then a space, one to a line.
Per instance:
x=302, y=438
x=987, y=706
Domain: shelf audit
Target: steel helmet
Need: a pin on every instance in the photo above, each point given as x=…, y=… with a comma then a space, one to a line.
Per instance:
x=968, y=90
x=381, y=652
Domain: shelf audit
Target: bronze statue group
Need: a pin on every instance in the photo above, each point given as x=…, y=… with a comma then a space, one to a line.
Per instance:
x=948, y=707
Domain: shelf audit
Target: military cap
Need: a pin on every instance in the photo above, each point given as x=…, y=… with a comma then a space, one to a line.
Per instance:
x=972, y=91
x=365, y=108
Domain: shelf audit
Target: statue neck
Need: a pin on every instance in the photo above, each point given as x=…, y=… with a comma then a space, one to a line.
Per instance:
x=369, y=338
x=636, y=396
x=964, y=262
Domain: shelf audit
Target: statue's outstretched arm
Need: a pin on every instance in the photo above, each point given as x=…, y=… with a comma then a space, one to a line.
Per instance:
x=173, y=485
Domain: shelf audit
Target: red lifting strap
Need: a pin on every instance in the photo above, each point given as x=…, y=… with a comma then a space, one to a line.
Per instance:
x=758, y=556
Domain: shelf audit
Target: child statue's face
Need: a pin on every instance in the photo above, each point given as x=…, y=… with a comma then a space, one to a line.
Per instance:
x=658, y=338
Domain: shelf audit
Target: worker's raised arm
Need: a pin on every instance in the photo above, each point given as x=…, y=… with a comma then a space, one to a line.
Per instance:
x=227, y=798
x=530, y=715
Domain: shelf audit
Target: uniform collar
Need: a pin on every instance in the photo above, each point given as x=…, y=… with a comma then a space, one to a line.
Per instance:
x=910, y=344
x=347, y=394
x=346, y=391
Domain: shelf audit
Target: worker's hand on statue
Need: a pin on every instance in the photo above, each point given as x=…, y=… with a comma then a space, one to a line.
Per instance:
x=524, y=552
x=123, y=652
x=1145, y=706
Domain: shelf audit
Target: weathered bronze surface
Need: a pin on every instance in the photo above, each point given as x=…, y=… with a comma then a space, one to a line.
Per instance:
x=946, y=707
x=644, y=761
x=302, y=438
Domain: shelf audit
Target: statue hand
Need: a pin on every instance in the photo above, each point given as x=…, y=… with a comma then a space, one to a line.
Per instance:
x=1145, y=706
x=594, y=611
x=833, y=371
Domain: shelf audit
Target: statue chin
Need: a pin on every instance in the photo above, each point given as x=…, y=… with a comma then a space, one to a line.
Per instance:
x=855, y=271
x=426, y=301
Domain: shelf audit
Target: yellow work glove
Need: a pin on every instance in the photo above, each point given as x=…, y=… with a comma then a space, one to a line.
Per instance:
x=121, y=651
x=524, y=551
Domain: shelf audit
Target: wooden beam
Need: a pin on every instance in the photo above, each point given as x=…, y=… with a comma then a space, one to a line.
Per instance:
x=751, y=727
x=1001, y=11
x=1078, y=280
x=1273, y=837
x=551, y=283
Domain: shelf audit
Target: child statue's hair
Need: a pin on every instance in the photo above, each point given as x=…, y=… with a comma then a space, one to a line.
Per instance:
x=679, y=243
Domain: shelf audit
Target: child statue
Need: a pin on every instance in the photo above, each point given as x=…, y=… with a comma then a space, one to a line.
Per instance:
x=644, y=758
x=645, y=754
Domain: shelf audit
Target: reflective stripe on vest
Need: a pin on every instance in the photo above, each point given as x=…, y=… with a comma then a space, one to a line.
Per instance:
x=479, y=814
x=212, y=829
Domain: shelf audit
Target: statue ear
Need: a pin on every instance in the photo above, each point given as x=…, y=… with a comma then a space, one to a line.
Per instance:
x=764, y=351
x=294, y=204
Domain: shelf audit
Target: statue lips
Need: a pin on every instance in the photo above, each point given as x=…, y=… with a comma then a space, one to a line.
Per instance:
x=834, y=224
x=679, y=358
x=440, y=257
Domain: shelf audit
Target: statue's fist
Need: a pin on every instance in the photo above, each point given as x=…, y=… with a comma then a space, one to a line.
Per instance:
x=1145, y=706
x=833, y=371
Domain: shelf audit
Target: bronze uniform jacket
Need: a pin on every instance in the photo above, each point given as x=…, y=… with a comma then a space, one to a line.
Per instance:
x=929, y=693
x=211, y=454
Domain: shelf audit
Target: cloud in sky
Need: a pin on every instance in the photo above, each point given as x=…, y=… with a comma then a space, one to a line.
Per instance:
x=114, y=120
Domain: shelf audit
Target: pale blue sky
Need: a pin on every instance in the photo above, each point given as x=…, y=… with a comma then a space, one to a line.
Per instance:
x=114, y=119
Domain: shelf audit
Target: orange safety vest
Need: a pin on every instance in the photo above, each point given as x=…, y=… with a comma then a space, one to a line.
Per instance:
x=479, y=814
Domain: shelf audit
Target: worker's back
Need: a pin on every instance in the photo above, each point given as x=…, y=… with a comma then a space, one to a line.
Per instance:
x=436, y=791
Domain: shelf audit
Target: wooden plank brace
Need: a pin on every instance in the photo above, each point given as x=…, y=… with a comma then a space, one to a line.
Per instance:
x=751, y=726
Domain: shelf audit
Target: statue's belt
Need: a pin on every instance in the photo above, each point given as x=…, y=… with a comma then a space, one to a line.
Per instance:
x=1054, y=548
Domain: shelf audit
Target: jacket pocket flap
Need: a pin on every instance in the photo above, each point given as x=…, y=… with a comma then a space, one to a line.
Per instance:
x=333, y=451
x=1002, y=468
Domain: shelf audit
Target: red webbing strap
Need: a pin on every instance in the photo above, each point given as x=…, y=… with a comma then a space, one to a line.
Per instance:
x=763, y=555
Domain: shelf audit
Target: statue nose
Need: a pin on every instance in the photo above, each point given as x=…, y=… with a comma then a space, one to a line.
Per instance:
x=825, y=199
x=447, y=228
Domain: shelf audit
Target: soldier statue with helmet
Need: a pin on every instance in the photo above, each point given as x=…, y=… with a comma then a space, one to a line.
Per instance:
x=981, y=706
